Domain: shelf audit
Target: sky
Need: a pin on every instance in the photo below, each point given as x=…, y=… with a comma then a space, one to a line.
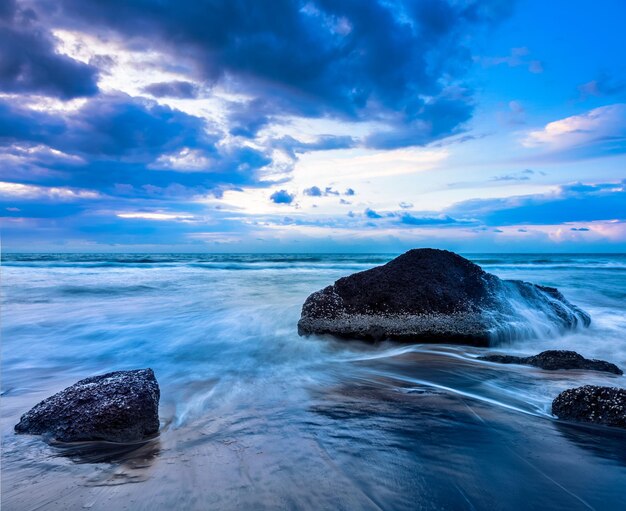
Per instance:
x=312, y=126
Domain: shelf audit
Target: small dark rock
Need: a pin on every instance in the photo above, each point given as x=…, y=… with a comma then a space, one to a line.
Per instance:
x=121, y=406
x=428, y=295
x=553, y=360
x=598, y=405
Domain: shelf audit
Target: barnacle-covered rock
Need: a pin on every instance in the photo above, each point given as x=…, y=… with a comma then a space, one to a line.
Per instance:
x=598, y=405
x=121, y=406
x=553, y=360
x=429, y=295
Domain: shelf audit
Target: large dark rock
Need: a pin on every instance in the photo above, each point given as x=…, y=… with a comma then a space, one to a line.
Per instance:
x=552, y=360
x=428, y=295
x=122, y=406
x=598, y=405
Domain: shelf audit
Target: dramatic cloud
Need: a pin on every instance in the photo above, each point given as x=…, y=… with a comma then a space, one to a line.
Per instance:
x=30, y=63
x=203, y=121
x=107, y=126
x=436, y=118
x=121, y=139
x=392, y=61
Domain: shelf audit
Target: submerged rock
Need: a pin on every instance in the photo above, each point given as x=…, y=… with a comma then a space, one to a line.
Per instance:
x=598, y=405
x=121, y=406
x=428, y=295
x=552, y=360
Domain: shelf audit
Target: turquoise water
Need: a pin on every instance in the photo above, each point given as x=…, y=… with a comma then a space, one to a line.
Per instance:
x=255, y=417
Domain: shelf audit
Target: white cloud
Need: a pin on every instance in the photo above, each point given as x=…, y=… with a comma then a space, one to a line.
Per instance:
x=156, y=216
x=189, y=160
x=598, y=124
x=25, y=153
x=22, y=191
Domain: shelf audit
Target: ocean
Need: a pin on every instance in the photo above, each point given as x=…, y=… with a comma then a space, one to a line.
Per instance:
x=255, y=417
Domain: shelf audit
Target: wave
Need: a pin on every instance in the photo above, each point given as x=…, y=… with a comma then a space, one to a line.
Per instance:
x=564, y=266
x=106, y=290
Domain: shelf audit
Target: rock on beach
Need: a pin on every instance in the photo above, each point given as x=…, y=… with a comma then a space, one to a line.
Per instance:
x=553, y=360
x=592, y=404
x=121, y=406
x=429, y=295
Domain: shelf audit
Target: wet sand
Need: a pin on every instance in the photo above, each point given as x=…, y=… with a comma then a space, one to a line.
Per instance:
x=427, y=428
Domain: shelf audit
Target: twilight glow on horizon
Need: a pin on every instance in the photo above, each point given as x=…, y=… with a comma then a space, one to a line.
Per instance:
x=312, y=126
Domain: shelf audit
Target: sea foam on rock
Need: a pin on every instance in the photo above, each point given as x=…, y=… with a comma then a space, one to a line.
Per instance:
x=553, y=360
x=429, y=295
x=121, y=406
x=594, y=404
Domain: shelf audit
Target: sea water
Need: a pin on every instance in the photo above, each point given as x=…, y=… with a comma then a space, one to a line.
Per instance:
x=255, y=417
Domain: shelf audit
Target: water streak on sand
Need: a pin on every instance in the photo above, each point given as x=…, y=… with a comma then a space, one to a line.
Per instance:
x=254, y=416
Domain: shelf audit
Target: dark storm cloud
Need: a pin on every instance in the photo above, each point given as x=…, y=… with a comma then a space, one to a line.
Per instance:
x=115, y=126
x=120, y=126
x=123, y=140
x=399, y=63
x=29, y=62
x=438, y=118
x=19, y=124
x=389, y=61
x=247, y=118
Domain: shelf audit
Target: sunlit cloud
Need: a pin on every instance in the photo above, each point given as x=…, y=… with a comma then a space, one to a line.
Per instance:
x=185, y=160
x=156, y=216
x=600, y=124
x=31, y=192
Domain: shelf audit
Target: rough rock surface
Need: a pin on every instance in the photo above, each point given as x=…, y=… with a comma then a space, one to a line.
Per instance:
x=428, y=295
x=552, y=360
x=121, y=406
x=599, y=405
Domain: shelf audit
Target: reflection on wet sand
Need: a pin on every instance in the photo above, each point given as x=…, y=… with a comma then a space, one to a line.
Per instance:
x=368, y=436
